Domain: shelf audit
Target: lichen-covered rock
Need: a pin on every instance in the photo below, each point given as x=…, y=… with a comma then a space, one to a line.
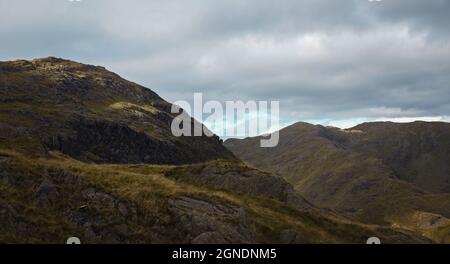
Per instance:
x=98, y=198
x=238, y=178
x=205, y=222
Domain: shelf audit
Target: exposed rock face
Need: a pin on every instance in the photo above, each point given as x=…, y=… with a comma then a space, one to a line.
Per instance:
x=97, y=198
x=85, y=218
x=238, y=178
x=203, y=222
x=107, y=142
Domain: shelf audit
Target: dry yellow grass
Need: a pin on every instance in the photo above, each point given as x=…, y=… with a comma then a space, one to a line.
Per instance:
x=148, y=188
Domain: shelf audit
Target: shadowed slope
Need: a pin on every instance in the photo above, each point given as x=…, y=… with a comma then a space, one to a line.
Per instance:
x=375, y=171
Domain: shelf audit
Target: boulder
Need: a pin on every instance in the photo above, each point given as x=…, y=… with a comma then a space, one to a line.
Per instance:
x=211, y=223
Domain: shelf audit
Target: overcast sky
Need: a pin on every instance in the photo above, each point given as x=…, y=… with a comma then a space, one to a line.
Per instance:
x=326, y=61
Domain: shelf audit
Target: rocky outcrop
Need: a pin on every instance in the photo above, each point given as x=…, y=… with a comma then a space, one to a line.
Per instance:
x=238, y=178
x=108, y=142
x=210, y=223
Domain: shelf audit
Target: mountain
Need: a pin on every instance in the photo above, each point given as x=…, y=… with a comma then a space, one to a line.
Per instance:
x=383, y=173
x=92, y=114
x=86, y=153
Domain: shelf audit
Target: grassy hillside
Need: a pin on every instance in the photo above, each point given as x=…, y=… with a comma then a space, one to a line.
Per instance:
x=374, y=172
x=45, y=200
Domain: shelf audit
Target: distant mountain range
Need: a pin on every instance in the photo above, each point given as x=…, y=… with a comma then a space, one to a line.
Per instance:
x=383, y=173
x=86, y=153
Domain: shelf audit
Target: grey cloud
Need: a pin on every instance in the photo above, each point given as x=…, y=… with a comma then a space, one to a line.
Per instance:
x=322, y=59
x=431, y=16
